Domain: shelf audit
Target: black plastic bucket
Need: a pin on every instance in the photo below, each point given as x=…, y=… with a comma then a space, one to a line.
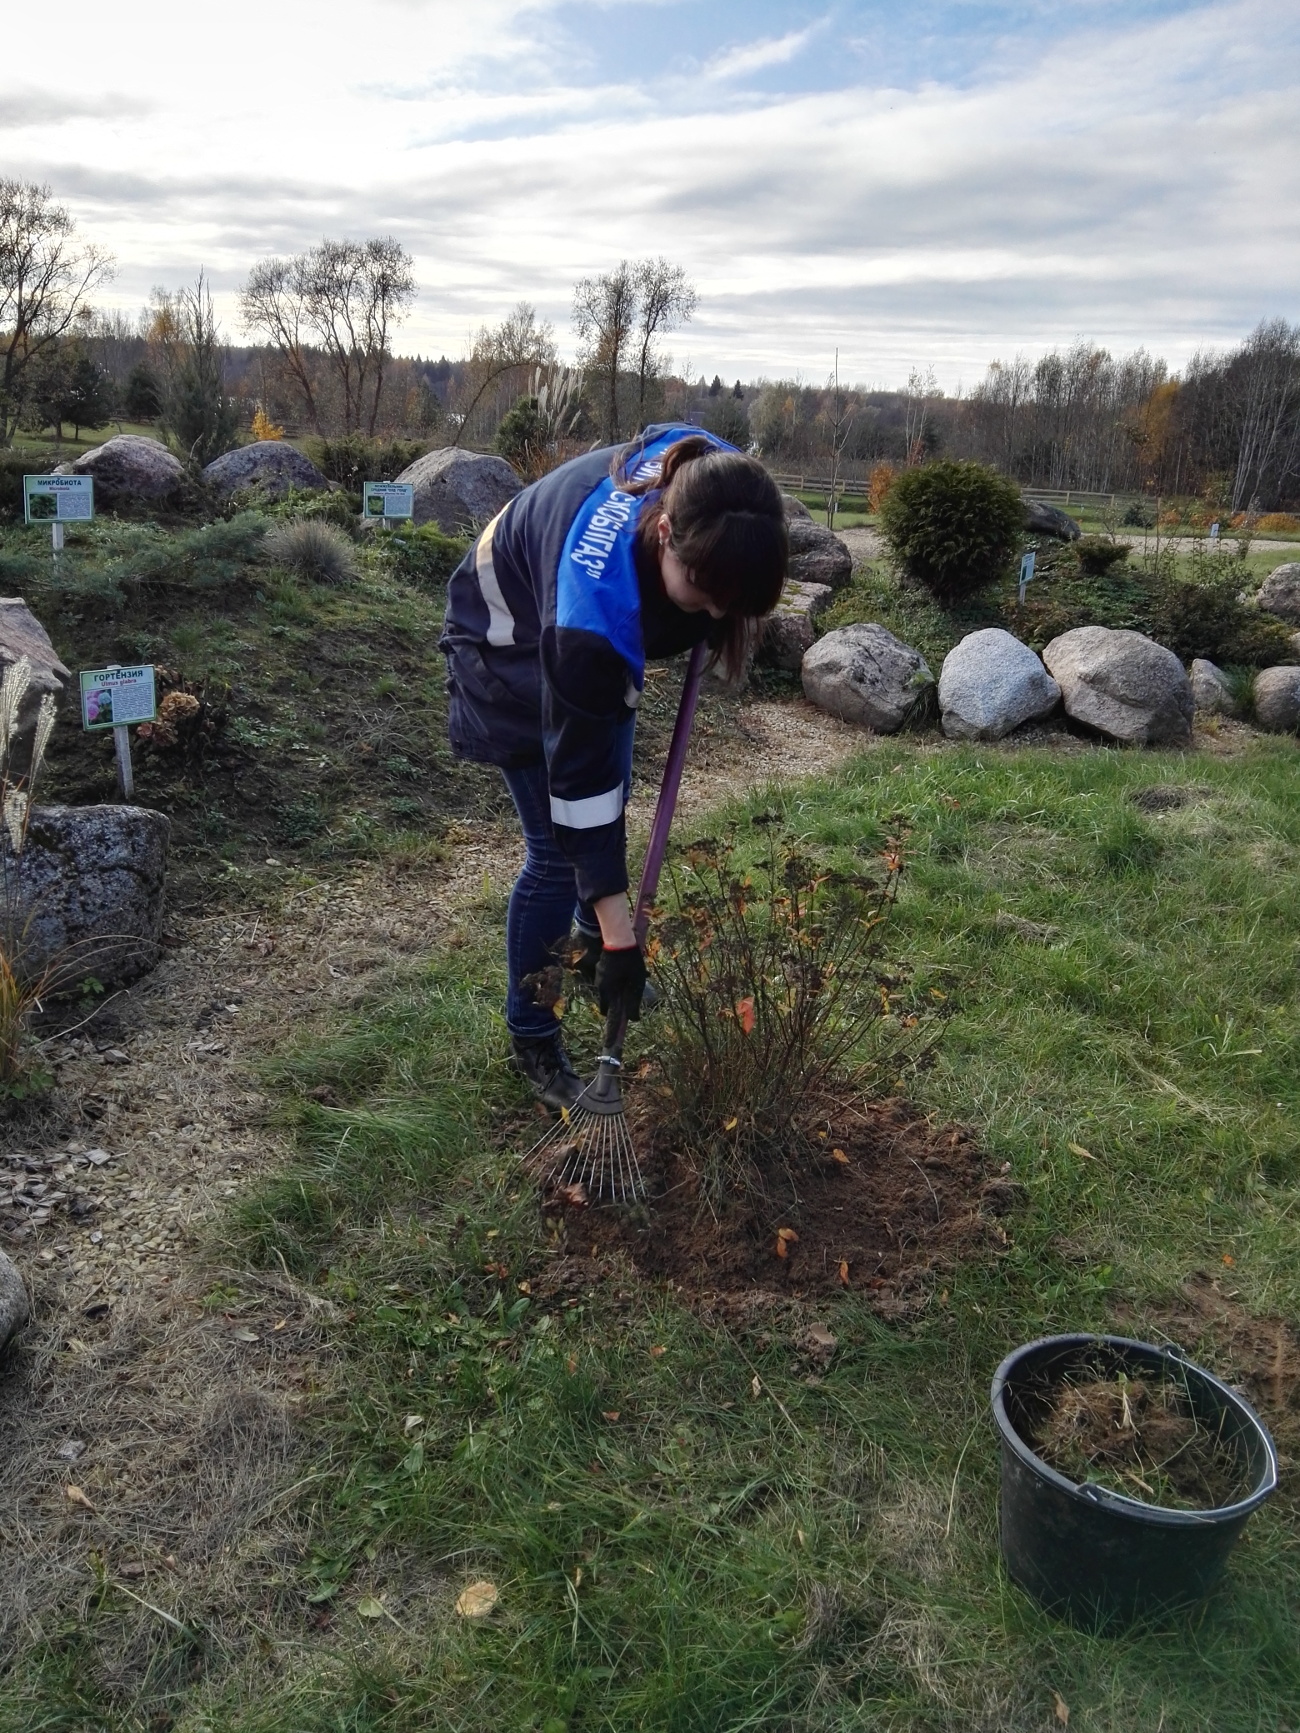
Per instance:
x=1094, y=1555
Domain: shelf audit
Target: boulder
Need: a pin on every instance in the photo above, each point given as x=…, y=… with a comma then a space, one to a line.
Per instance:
x=1277, y=700
x=460, y=490
x=89, y=894
x=1042, y=519
x=1122, y=684
x=817, y=555
x=15, y=1309
x=128, y=469
x=272, y=465
x=1279, y=594
x=22, y=634
x=795, y=507
x=991, y=683
x=1211, y=693
x=1295, y=644
x=790, y=629
x=865, y=675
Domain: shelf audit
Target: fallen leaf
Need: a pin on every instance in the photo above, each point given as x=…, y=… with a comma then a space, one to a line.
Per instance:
x=477, y=1600
x=245, y=1335
x=610, y=1413
x=1087, y=1155
x=787, y=1234
x=571, y=1365
x=755, y=1385
x=839, y=1155
x=731, y=1124
x=1229, y=1259
x=524, y=1287
x=745, y=1014
x=574, y=1194
x=657, y=1353
x=781, y=1249
x=844, y=1271
x=133, y=1568
x=799, y=1536
x=412, y=1421
x=75, y=1495
x=370, y=1608
x=1062, y=1710
x=577, y=1577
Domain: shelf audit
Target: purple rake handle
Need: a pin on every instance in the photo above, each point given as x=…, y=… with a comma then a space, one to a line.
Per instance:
x=667, y=802
x=616, y=1024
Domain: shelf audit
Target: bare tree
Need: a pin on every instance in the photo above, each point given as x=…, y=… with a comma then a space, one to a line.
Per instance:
x=839, y=414
x=46, y=279
x=1267, y=381
x=921, y=387
x=273, y=304
x=197, y=410
x=518, y=342
x=346, y=295
x=605, y=316
x=666, y=297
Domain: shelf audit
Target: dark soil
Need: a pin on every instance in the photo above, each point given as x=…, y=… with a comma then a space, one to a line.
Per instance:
x=1258, y=1355
x=1139, y=1437
x=909, y=1201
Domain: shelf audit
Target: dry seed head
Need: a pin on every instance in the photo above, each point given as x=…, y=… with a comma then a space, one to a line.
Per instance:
x=44, y=728
x=15, y=817
x=13, y=689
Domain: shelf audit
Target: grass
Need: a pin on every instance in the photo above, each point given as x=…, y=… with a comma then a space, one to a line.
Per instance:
x=678, y=1546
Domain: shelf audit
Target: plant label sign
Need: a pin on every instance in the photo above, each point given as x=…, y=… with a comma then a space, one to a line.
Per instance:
x=1214, y=531
x=112, y=697
x=58, y=498
x=388, y=499
x=1026, y=570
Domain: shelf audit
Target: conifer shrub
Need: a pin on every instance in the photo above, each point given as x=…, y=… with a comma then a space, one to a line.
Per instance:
x=953, y=527
x=424, y=557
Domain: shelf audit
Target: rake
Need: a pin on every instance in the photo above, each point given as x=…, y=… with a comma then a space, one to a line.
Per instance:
x=590, y=1144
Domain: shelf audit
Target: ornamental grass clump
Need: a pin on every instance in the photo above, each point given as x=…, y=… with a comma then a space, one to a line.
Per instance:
x=312, y=550
x=780, y=1003
x=955, y=528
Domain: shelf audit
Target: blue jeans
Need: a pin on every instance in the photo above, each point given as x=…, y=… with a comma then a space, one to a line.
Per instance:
x=544, y=903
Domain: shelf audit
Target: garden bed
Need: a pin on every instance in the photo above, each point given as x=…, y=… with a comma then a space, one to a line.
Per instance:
x=892, y=1203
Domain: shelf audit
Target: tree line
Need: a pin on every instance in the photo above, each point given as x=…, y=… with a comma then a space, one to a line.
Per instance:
x=320, y=359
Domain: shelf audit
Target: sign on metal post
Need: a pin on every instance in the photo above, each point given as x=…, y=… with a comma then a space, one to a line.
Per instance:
x=1026, y=570
x=388, y=499
x=56, y=500
x=114, y=697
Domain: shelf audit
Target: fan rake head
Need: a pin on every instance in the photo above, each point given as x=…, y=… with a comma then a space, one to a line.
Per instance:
x=590, y=1145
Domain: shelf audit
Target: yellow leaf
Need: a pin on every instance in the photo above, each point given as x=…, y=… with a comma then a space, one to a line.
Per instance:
x=1087, y=1155
x=370, y=1608
x=75, y=1495
x=839, y=1155
x=731, y=1125
x=1062, y=1710
x=787, y=1234
x=477, y=1600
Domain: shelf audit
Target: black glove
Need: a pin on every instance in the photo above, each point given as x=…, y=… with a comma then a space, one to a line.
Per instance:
x=584, y=953
x=620, y=981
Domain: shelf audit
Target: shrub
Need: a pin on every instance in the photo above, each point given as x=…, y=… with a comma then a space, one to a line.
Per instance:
x=1097, y=554
x=1140, y=515
x=522, y=431
x=879, y=482
x=353, y=460
x=1205, y=617
x=953, y=527
x=777, y=999
x=343, y=510
x=424, y=557
x=312, y=550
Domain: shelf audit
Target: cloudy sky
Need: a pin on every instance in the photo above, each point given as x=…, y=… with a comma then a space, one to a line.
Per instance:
x=916, y=183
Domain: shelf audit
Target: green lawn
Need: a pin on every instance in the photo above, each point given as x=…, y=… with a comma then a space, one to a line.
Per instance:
x=674, y=1552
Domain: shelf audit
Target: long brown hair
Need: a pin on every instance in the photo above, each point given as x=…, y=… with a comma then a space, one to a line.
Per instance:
x=728, y=530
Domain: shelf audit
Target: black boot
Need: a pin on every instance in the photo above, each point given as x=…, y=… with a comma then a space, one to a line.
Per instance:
x=548, y=1070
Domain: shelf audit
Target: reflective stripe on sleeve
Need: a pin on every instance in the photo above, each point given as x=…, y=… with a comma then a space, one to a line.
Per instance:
x=587, y=814
x=501, y=622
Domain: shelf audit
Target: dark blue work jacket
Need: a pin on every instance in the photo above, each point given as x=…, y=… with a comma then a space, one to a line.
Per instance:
x=550, y=620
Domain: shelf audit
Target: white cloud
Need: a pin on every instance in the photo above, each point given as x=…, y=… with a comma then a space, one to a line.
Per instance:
x=1136, y=185
x=753, y=57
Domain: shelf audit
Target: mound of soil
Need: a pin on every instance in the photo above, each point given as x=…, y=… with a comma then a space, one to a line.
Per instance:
x=1137, y=1436
x=901, y=1201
